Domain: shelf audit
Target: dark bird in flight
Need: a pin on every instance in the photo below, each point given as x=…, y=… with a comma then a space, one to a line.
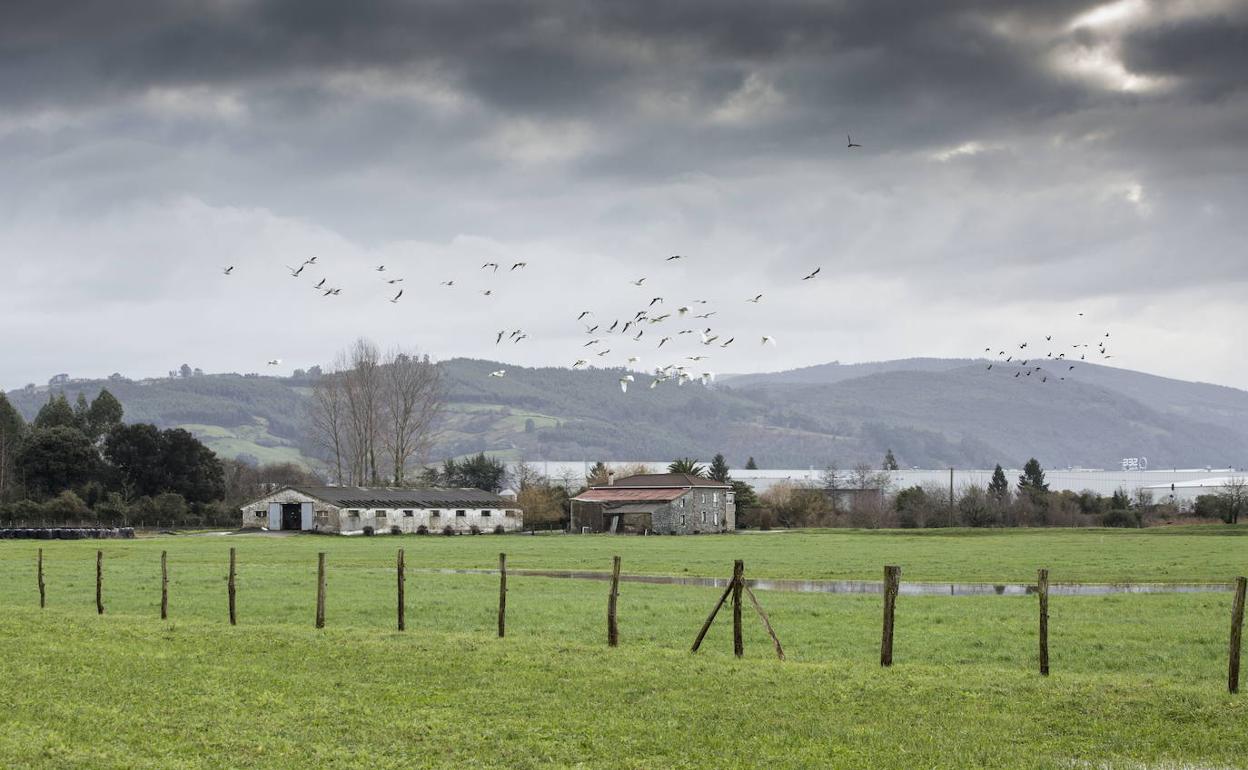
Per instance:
x=674, y=257
x=380, y=268
x=755, y=298
x=813, y=274
x=850, y=142
x=310, y=261
x=490, y=264
x=656, y=299
x=319, y=284
x=228, y=270
x=396, y=296
x=295, y=273
x=519, y=264
x=393, y=281
x=499, y=339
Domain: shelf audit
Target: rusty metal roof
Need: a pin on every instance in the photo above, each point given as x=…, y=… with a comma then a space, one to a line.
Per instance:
x=617, y=495
x=659, y=480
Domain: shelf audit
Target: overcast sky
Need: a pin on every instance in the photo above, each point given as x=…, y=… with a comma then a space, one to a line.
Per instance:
x=1022, y=162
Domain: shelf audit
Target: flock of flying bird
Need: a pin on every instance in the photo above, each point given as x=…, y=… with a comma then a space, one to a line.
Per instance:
x=1025, y=360
x=661, y=319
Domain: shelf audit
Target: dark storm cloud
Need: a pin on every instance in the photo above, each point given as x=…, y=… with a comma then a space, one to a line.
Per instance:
x=1009, y=143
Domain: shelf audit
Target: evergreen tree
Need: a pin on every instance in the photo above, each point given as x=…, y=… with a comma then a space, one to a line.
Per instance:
x=890, y=462
x=12, y=429
x=750, y=465
x=999, y=487
x=80, y=410
x=719, y=469
x=52, y=460
x=479, y=472
x=744, y=496
x=57, y=413
x=686, y=465
x=1032, y=479
x=599, y=474
x=104, y=415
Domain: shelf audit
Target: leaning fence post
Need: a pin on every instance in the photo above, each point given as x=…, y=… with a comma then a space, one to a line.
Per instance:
x=42, y=588
x=99, y=582
x=1042, y=588
x=738, y=582
x=1237, y=635
x=502, y=595
x=892, y=580
x=400, y=568
x=320, y=590
x=613, y=630
x=230, y=584
x=164, y=585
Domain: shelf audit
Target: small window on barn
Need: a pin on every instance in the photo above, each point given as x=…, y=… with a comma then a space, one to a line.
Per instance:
x=353, y=512
x=485, y=514
x=461, y=514
x=379, y=514
x=408, y=514
x=435, y=513
x=509, y=514
x=322, y=514
x=260, y=514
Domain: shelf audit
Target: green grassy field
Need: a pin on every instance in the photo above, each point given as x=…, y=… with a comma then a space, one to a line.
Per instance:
x=1138, y=681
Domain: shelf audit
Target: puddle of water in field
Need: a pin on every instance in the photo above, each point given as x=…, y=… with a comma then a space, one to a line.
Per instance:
x=872, y=586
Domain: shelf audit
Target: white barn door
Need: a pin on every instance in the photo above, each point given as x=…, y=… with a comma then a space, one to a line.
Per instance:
x=305, y=516
x=275, y=515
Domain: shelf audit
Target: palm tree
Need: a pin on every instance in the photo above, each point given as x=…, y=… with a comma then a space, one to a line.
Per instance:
x=686, y=465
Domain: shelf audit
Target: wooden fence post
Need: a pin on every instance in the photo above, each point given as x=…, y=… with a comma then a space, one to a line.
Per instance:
x=1237, y=635
x=892, y=581
x=164, y=585
x=711, y=618
x=1042, y=588
x=502, y=595
x=400, y=567
x=233, y=616
x=42, y=588
x=613, y=630
x=738, y=582
x=320, y=590
x=99, y=582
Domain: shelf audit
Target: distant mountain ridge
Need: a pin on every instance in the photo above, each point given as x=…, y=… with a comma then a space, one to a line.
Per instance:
x=931, y=412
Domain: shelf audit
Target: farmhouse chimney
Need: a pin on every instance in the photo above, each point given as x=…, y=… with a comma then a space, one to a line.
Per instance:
x=610, y=478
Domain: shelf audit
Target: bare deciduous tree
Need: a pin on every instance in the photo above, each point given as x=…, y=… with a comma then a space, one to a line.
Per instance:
x=411, y=404
x=1234, y=497
x=373, y=416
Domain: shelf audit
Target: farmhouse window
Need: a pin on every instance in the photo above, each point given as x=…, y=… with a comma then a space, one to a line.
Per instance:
x=715, y=498
x=715, y=518
x=322, y=514
x=682, y=519
x=703, y=517
x=460, y=514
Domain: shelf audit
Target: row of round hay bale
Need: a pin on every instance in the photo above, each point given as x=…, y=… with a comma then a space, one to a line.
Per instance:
x=66, y=533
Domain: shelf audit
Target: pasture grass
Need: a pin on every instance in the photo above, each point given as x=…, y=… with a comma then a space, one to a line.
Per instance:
x=1138, y=680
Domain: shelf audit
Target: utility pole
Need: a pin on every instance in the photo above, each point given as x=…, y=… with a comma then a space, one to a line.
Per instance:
x=951, y=497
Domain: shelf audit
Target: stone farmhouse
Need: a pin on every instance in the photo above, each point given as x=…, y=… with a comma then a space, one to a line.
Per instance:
x=655, y=503
x=348, y=510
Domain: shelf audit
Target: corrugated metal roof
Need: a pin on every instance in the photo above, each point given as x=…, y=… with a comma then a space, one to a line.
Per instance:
x=617, y=495
x=403, y=497
x=664, y=480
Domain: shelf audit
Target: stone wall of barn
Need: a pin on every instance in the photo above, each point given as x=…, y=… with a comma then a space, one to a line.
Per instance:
x=698, y=511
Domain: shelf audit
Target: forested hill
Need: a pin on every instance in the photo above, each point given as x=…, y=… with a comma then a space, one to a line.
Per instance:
x=930, y=412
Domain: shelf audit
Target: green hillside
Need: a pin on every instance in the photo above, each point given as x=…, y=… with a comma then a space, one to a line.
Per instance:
x=930, y=413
